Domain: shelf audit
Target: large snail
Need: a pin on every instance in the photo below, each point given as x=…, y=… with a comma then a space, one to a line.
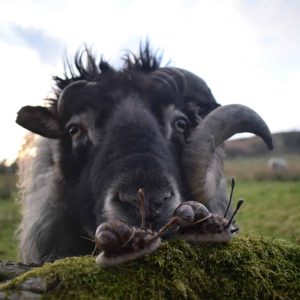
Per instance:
x=120, y=242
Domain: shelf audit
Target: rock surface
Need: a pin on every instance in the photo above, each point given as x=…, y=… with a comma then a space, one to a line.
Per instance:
x=11, y=269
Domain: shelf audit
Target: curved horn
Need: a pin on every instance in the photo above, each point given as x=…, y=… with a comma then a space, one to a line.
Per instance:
x=202, y=157
x=189, y=86
x=76, y=94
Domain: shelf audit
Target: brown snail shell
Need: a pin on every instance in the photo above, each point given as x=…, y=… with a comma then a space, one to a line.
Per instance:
x=112, y=235
x=190, y=212
x=120, y=242
x=206, y=227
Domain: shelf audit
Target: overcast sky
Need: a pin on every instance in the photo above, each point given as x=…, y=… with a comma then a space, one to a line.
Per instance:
x=248, y=52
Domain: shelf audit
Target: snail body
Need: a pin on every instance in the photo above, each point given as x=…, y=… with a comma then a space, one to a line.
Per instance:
x=211, y=229
x=120, y=242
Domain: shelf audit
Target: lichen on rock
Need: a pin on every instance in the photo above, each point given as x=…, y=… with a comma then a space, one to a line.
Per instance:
x=246, y=268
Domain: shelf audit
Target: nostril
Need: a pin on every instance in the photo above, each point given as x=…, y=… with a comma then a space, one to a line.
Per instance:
x=154, y=212
x=157, y=210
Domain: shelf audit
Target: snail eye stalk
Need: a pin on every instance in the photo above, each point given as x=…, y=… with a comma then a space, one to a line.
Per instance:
x=230, y=198
x=171, y=223
x=238, y=206
x=141, y=195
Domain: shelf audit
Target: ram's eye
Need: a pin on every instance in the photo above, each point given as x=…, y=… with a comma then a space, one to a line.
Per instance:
x=180, y=125
x=75, y=131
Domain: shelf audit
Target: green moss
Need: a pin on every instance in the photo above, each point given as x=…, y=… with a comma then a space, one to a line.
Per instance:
x=247, y=268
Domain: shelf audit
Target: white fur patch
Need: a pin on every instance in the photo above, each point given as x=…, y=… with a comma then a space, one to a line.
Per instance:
x=177, y=198
x=107, y=206
x=39, y=176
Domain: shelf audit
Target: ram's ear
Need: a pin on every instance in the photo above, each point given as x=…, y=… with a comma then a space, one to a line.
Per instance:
x=40, y=120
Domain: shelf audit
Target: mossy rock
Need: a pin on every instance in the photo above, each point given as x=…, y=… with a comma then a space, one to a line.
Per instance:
x=246, y=268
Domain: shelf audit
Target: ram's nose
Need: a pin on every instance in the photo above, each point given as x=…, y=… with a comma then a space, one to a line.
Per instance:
x=149, y=203
x=156, y=203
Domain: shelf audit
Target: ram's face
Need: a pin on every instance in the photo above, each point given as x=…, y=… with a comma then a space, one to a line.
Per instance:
x=119, y=141
x=115, y=141
x=128, y=130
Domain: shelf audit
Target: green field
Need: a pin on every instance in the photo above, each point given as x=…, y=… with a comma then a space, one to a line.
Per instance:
x=9, y=219
x=271, y=208
x=256, y=168
x=7, y=186
x=9, y=216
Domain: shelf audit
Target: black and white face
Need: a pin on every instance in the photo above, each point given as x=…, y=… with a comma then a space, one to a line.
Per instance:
x=115, y=144
x=127, y=151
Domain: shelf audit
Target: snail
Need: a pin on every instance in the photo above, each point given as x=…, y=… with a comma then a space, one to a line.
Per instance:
x=120, y=242
x=208, y=228
x=193, y=222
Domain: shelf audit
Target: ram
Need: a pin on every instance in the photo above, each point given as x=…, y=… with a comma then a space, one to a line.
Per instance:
x=106, y=134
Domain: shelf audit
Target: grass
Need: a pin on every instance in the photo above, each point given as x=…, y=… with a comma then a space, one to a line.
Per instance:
x=272, y=198
x=9, y=219
x=272, y=208
x=7, y=186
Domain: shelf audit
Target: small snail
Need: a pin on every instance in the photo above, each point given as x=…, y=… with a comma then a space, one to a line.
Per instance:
x=209, y=228
x=121, y=242
x=193, y=222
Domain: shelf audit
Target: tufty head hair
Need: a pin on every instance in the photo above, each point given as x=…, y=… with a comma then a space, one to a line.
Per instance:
x=146, y=61
x=86, y=66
